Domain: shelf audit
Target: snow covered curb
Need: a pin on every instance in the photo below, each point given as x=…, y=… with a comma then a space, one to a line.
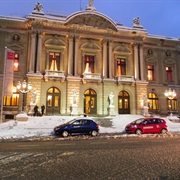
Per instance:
x=42, y=127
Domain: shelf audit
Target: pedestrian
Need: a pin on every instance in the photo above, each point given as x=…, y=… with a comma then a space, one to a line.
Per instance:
x=42, y=109
x=36, y=110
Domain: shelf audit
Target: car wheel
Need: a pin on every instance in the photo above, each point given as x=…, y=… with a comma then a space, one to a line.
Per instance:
x=65, y=134
x=163, y=131
x=94, y=133
x=138, y=131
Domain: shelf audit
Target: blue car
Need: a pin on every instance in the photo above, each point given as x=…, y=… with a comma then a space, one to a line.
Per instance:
x=77, y=126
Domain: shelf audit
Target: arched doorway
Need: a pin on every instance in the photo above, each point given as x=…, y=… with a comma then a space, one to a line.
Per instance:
x=53, y=101
x=90, y=102
x=123, y=103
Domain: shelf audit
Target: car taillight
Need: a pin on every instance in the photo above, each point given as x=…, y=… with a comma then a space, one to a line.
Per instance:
x=97, y=126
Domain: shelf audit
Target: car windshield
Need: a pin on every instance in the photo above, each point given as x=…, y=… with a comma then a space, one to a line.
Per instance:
x=137, y=121
x=71, y=121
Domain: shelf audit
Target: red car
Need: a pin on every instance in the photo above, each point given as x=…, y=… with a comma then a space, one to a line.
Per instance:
x=147, y=125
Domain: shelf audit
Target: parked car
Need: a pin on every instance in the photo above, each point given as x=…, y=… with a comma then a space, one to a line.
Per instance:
x=77, y=126
x=147, y=125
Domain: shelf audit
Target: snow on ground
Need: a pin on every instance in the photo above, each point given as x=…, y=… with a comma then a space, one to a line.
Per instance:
x=43, y=126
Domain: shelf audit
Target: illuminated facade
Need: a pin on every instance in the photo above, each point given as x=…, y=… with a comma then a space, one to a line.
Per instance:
x=74, y=64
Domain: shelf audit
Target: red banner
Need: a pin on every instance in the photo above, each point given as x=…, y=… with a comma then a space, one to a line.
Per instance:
x=8, y=72
x=10, y=55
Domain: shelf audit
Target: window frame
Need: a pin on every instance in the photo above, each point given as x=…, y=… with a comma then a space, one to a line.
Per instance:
x=12, y=100
x=172, y=104
x=169, y=73
x=88, y=58
x=57, y=61
x=16, y=60
x=153, y=102
x=151, y=71
x=123, y=66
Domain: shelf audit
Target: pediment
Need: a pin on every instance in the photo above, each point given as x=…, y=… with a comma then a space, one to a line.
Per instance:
x=122, y=49
x=90, y=45
x=169, y=61
x=16, y=47
x=151, y=60
x=54, y=42
x=92, y=19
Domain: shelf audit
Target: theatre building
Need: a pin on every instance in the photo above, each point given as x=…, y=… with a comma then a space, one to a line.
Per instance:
x=86, y=63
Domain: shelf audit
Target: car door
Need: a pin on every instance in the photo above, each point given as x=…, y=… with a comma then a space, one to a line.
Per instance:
x=86, y=126
x=157, y=126
x=76, y=127
x=147, y=126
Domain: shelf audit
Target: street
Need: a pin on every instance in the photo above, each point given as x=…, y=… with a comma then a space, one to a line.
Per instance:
x=94, y=158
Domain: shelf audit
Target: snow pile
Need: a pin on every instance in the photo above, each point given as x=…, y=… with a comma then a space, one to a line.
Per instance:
x=43, y=126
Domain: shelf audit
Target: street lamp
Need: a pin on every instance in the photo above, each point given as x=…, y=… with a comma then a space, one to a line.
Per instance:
x=24, y=88
x=170, y=94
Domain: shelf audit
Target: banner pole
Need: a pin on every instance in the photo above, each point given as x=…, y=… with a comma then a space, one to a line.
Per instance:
x=7, y=57
x=2, y=97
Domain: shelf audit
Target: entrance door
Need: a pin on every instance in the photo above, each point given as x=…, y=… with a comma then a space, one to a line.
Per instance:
x=90, y=102
x=123, y=103
x=53, y=101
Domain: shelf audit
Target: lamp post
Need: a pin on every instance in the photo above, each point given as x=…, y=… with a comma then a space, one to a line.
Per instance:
x=170, y=94
x=24, y=88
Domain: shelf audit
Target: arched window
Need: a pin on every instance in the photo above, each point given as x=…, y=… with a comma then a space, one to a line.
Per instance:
x=172, y=104
x=153, y=101
x=53, y=100
x=90, y=102
x=123, y=102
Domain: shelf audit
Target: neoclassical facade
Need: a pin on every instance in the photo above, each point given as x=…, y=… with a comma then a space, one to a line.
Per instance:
x=85, y=63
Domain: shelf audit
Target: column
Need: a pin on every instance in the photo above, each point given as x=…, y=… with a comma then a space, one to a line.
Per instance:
x=39, y=52
x=70, y=58
x=141, y=63
x=136, y=66
x=32, y=54
x=105, y=58
x=110, y=60
x=76, y=56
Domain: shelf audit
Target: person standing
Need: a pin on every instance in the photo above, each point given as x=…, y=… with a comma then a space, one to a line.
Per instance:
x=42, y=109
x=36, y=110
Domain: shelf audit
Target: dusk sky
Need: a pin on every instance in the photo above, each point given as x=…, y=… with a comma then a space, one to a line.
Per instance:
x=158, y=17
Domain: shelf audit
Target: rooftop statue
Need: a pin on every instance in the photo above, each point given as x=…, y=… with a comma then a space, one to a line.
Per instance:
x=38, y=9
x=91, y=7
x=91, y=2
x=136, y=23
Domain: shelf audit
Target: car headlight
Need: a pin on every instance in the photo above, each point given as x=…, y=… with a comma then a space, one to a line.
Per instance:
x=134, y=126
x=56, y=128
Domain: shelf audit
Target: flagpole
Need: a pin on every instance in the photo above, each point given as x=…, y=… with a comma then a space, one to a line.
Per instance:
x=2, y=97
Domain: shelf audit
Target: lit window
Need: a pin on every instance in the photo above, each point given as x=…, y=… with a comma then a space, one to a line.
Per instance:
x=153, y=101
x=169, y=74
x=16, y=62
x=150, y=73
x=121, y=67
x=89, y=64
x=11, y=100
x=172, y=104
x=54, y=61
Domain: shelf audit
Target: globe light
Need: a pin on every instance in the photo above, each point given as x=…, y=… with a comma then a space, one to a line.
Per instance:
x=170, y=94
x=23, y=88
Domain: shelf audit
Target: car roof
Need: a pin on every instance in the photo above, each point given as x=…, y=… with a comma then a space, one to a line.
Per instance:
x=83, y=118
x=149, y=118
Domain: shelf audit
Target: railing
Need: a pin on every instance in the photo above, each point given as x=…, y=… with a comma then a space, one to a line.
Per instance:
x=58, y=75
x=125, y=79
x=50, y=73
x=91, y=76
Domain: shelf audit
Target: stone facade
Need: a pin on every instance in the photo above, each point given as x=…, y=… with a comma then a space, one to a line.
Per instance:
x=75, y=38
